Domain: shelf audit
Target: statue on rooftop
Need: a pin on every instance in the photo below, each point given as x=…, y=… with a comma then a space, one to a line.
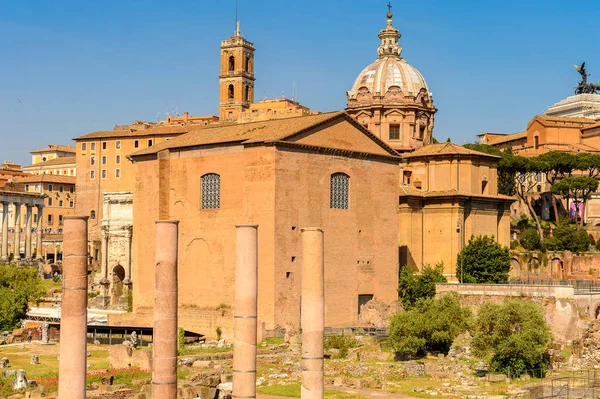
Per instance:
x=584, y=87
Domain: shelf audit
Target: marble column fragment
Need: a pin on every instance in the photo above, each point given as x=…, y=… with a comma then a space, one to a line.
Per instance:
x=313, y=311
x=164, y=373
x=73, y=322
x=245, y=318
x=4, y=255
x=17, y=235
x=28, y=216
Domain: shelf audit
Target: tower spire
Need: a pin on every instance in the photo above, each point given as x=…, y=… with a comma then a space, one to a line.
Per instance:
x=390, y=38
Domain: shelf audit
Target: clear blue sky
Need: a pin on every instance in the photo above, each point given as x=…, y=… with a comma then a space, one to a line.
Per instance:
x=69, y=67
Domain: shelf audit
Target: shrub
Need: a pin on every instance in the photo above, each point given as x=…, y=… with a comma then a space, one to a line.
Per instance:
x=412, y=286
x=19, y=286
x=566, y=237
x=219, y=332
x=430, y=326
x=530, y=239
x=512, y=335
x=340, y=342
x=483, y=261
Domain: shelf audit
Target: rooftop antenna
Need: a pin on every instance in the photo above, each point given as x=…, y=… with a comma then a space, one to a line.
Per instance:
x=293, y=90
x=282, y=94
x=237, y=22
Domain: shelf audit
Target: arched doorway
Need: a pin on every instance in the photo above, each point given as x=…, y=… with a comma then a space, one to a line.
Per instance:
x=116, y=292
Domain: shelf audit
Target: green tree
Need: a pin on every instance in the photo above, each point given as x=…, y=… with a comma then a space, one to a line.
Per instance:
x=19, y=286
x=513, y=335
x=577, y=188
x=430, y=326
x=413, y=286
x=483, y=261
x=555, y=165
x=530, y=239
x=566, y=237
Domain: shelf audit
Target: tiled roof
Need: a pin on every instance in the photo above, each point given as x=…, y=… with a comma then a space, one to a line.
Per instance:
x=255, y=132
x=52, y=162
x=594, y=126
x=508, y=138
x=151, y=131
x=409, y=191
x=52, y=147
x=48, y=178
x=445, y=149
x=561, y=121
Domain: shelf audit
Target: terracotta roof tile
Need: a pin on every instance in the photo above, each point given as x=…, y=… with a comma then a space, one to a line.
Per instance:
x=255, y=132
x=508, y=138
x=445, y=149
x=52, y=147
x=48, y=178
x=52, y=162
x=561, y=121
x=150, y=131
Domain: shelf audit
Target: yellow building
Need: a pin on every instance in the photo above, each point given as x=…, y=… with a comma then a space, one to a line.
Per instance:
x=59, y=200
x=51, y=152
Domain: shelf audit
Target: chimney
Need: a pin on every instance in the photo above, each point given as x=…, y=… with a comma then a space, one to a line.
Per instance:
x=186, y=117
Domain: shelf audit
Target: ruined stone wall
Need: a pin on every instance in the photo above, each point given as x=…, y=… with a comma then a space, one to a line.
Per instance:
x=558, y=303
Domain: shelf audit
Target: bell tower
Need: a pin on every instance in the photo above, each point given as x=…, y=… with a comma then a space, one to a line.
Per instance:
x=236, y=80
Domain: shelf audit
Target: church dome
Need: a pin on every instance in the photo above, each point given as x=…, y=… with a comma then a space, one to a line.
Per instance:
x=388, y=72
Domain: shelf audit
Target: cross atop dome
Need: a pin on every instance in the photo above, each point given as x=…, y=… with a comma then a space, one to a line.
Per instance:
x=390, y=38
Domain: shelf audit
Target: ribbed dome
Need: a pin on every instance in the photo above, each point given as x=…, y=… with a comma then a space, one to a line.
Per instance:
x=387, y=72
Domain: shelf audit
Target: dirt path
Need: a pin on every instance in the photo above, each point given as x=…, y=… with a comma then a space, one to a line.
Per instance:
x=362, y=392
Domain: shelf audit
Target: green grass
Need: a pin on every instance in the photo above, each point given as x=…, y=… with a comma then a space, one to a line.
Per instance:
x=51, y=285
x=273, y=341
x=197, y=350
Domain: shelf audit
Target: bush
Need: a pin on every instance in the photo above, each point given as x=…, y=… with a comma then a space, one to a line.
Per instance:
x=18, y=287
x=566, y=237
x=342, y=343
x=512, y=335
x=412, y=286
x=597, y=245
x=483, y=261
x=219, y=332
x=530, y=239
x=430, y=326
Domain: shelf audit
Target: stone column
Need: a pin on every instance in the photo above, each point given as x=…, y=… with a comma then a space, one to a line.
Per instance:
x=164, y=347
x=4, y=256
x=28, y=232
x=313, y=309
x=17, y=236
x=104, y=255
x=127, y=279
x=38, y=231
x=245, y=308
x=73, y=322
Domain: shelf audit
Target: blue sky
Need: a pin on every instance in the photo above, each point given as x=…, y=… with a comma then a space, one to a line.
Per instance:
x=69, y=67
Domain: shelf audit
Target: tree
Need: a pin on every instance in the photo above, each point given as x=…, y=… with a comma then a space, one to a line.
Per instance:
x=555, y=165
x=514, y=335
x=483, y=261
x=577, y=188
x=430, y=326
x=18, y=287
x=590, y=163
x=530, y=239
x=566, y=237
x=413, y=287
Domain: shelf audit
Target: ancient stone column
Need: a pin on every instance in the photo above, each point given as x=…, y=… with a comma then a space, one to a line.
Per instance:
x=28, y=216
x=17, y=236
x=73, y=322
x=312, y=318
x=4, y=256
x=38, y=231
x=104, y=254
x=164, y=340
x=127, y=279
x=244, y=319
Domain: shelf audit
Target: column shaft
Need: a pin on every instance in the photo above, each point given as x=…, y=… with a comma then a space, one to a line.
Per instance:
x=164, y=373
x=104, y=255
x=17, y=236
x=313, y=310
x=73, y=323
x=28, y=232
x=128, y=258
x=38, y=231
x=245, y=318
x=4, y=256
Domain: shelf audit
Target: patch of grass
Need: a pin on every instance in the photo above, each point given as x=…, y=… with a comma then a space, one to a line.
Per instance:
x=188, y=350
x=292, y=391
x=51, y=284
x=273, y=341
